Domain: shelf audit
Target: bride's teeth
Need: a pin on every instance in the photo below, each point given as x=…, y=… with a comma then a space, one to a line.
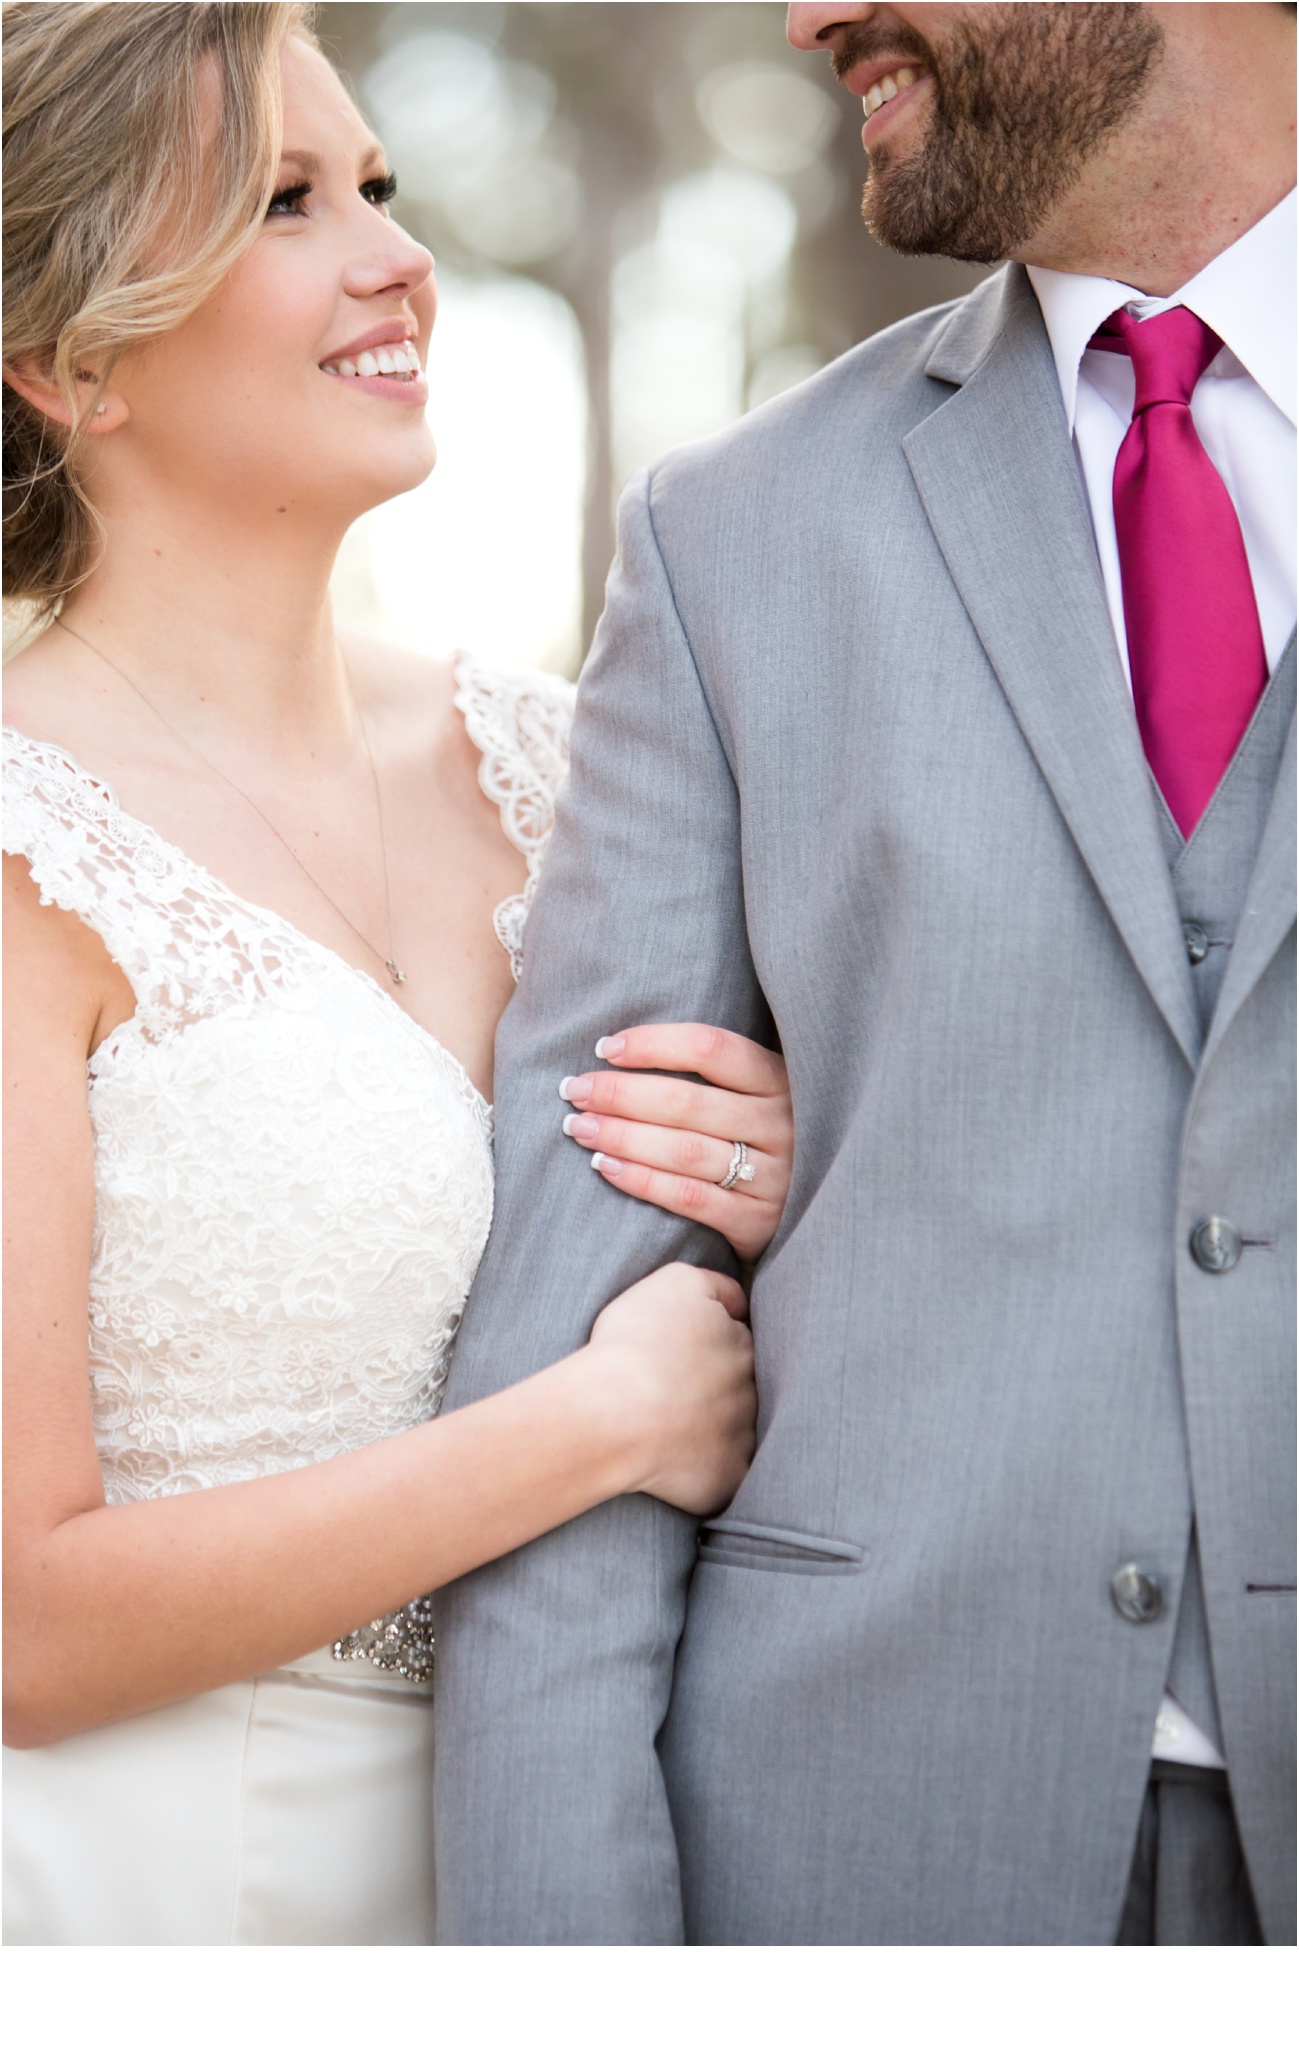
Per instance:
x=402, y=360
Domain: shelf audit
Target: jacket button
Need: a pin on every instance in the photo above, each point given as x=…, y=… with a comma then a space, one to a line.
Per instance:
x=1136, y=1595
x=1197, y=941
x=1215, y=1244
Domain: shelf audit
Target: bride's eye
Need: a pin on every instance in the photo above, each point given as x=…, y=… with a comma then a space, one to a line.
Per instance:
x=380, y=191
x=288, y=200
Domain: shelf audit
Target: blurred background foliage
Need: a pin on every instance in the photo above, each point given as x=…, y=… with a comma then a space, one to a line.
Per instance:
x=646, y=219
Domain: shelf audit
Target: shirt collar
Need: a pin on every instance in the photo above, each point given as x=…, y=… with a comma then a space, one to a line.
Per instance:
x=1246, y=294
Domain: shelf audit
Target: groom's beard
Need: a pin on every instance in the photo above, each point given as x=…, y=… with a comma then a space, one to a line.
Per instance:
x=1022, y=97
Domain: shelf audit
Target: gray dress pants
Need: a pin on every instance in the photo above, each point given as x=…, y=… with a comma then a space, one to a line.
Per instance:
x=1189, y=1887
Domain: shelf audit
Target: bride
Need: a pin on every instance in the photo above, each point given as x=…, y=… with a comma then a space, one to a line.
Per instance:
x=265, y=885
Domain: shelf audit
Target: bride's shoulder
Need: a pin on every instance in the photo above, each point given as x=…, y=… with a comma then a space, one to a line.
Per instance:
x=496, y=716
x=397, y=680
x=409, y=693
x=45, y=688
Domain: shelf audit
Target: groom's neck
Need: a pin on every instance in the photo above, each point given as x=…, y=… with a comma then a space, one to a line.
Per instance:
x=1210, y=150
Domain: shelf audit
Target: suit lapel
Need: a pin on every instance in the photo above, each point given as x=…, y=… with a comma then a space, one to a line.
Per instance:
x=1270, y=903
x=999, y=483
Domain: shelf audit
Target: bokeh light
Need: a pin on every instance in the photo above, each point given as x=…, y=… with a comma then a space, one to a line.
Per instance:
x=486, y=555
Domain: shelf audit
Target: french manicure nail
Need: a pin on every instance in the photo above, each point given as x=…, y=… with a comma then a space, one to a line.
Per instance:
x=575, y=1088
x=581, y=1127
x=603, y=1164
x=609, y=1048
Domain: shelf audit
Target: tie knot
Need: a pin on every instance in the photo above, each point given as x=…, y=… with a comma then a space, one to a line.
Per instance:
x=1170, y=353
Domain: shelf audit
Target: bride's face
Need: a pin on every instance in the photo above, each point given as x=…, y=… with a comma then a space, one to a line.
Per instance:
x=253, y=398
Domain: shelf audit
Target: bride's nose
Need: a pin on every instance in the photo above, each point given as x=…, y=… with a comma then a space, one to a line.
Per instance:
x=388, y=260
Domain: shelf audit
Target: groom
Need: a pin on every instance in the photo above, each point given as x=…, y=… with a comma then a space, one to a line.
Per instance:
x=940, y=721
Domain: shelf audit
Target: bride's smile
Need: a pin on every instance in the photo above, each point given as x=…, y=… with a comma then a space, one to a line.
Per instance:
x=384, y=361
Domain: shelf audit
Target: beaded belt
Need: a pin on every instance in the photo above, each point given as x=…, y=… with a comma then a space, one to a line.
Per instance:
x=400, y=1643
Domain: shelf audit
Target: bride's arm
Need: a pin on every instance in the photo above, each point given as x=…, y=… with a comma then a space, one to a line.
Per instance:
x=110, y=1610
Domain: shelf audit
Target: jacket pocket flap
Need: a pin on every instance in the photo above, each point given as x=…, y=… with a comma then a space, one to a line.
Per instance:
x=727, y=1542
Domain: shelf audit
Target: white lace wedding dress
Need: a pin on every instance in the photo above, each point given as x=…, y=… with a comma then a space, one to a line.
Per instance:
x=293, y=1186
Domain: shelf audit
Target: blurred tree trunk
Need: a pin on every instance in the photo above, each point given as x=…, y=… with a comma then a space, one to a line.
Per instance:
x=613, y=65
x=590, y=292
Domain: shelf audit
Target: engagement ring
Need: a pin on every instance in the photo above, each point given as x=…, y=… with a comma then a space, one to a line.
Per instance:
x=739, y=1168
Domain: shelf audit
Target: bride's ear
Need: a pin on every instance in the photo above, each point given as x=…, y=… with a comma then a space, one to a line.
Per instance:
x=102, y=412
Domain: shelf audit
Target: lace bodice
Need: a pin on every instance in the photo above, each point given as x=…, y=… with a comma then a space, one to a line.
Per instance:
x=293, y=1180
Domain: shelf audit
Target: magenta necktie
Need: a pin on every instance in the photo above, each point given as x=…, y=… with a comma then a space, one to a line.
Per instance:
x=1194, y=644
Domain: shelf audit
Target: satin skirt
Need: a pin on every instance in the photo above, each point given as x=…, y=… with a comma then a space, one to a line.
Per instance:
x=294, y=1809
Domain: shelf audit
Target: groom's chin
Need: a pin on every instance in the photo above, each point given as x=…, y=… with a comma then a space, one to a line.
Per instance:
x=914, y=212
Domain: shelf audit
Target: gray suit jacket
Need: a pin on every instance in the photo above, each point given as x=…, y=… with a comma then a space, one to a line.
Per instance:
x=854, y=754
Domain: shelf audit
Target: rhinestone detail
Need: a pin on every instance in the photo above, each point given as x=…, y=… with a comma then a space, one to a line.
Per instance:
x=400, y=1643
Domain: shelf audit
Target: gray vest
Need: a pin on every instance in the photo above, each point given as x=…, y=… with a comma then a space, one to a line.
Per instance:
x=1211, y=875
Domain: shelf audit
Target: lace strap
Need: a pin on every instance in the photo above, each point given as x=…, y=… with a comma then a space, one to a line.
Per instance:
x=187, y=945
x=86, y=855
x=519, y=720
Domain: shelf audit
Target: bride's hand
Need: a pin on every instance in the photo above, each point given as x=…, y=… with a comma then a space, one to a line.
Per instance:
x=670, y=1362
x=672, y=1142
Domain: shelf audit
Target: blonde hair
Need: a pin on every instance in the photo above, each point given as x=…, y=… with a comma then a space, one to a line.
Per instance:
x=117, y=221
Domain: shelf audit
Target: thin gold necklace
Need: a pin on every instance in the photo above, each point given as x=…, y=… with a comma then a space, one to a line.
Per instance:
x=390, y=962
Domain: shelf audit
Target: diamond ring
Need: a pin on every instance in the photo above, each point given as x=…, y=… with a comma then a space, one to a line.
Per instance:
x=739, y=1168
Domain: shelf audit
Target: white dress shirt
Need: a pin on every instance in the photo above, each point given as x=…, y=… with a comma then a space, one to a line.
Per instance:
x=1243, y=406
x=1244, y=413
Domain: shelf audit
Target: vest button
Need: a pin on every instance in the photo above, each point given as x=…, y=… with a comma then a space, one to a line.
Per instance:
x=1197, y=941
x=1136, y=1595
x=1215, y=1244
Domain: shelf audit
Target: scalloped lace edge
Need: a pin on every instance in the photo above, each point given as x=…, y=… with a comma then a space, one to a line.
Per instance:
x=518, y=719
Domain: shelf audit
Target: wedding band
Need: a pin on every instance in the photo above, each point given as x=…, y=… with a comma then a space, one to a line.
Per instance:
x=739, y=1168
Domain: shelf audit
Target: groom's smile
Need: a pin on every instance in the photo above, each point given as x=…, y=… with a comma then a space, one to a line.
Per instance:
x=885, y=63
x=888, y=97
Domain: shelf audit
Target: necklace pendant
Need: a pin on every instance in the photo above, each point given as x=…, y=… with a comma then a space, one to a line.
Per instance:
x=395, y=971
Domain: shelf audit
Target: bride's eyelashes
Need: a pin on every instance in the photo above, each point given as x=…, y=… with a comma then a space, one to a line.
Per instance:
x=290, y=199
x=381, y=191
